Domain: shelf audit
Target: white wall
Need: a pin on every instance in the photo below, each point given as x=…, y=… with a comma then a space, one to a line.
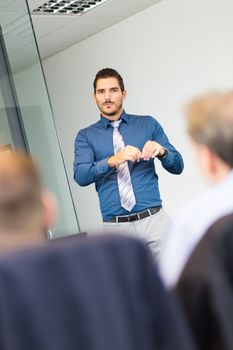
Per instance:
x=166, y=54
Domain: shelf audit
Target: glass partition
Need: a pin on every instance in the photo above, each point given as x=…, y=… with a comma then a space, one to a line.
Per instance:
x=26, y=119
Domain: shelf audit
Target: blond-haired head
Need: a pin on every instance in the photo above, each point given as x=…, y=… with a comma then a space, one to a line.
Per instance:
x=210, y=123
x=23, y=215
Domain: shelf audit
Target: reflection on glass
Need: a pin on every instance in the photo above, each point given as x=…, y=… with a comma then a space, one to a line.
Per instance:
x=35, y=109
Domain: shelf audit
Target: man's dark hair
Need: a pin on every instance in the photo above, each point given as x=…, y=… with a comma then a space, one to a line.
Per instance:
x=108, y=73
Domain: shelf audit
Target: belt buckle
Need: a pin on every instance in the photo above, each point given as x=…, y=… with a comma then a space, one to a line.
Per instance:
x=133, y=217
x=130, y=218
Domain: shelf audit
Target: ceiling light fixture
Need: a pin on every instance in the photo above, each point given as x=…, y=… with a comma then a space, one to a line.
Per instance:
x=69, y=7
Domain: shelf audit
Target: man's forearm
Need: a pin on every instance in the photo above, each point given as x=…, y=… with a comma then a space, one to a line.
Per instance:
x=87, y=173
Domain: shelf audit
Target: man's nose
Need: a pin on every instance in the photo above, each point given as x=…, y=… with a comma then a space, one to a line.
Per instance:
x=108, y=96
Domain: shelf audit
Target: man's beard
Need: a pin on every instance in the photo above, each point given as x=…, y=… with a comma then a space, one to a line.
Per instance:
x=112, y=113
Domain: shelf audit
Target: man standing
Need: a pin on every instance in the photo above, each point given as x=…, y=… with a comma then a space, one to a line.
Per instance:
x=117, y=153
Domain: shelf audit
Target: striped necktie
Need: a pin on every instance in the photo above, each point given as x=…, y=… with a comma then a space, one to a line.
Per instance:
x=123, y=175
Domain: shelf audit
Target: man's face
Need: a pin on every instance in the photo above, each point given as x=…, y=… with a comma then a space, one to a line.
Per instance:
x=109, y=98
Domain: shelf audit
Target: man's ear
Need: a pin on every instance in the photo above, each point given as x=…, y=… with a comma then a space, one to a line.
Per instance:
x=124, y=94
x=94, y=98
x=49, y=203
x=208, y=162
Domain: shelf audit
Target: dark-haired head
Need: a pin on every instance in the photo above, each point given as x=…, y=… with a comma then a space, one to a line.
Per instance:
x=108, y=73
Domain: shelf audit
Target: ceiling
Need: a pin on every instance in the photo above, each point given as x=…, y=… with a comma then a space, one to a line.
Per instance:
x=58, y=32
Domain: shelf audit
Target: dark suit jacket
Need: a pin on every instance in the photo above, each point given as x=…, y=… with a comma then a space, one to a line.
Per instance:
x=205, y=288
x=100, y=293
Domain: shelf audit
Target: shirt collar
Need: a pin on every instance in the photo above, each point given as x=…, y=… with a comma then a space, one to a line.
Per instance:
x=105, y=122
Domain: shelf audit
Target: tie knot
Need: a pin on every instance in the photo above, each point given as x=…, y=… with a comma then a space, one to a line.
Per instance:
x=116, y=123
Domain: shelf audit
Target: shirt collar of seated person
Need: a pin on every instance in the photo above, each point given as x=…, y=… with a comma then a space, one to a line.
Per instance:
x=26, y=210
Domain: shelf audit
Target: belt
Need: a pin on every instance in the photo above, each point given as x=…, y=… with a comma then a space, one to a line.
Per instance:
x=137, y=216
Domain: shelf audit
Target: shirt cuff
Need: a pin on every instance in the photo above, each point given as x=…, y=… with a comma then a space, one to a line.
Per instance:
x=169, y=158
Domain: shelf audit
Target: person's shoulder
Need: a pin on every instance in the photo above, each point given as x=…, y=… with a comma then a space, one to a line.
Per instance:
x=97, y=124
x=195, y=214
x=88, y=132
x=188, y=226
x=191, y=206
x=91, y=127
x=142, y=118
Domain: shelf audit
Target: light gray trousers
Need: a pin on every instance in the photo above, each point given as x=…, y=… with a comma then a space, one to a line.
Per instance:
x=150, y=230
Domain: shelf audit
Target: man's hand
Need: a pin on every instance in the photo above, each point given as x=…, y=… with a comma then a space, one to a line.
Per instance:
x=130, y=153
x=153, y=149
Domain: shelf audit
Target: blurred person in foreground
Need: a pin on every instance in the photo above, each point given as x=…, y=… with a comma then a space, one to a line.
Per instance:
x=210, y=126
x=26, y=211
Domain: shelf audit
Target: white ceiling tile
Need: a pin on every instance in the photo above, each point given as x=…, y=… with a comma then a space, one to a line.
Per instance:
x=44, y=25
x=73, y=33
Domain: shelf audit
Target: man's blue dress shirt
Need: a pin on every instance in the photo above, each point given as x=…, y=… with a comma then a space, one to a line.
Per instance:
x=93, y=147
